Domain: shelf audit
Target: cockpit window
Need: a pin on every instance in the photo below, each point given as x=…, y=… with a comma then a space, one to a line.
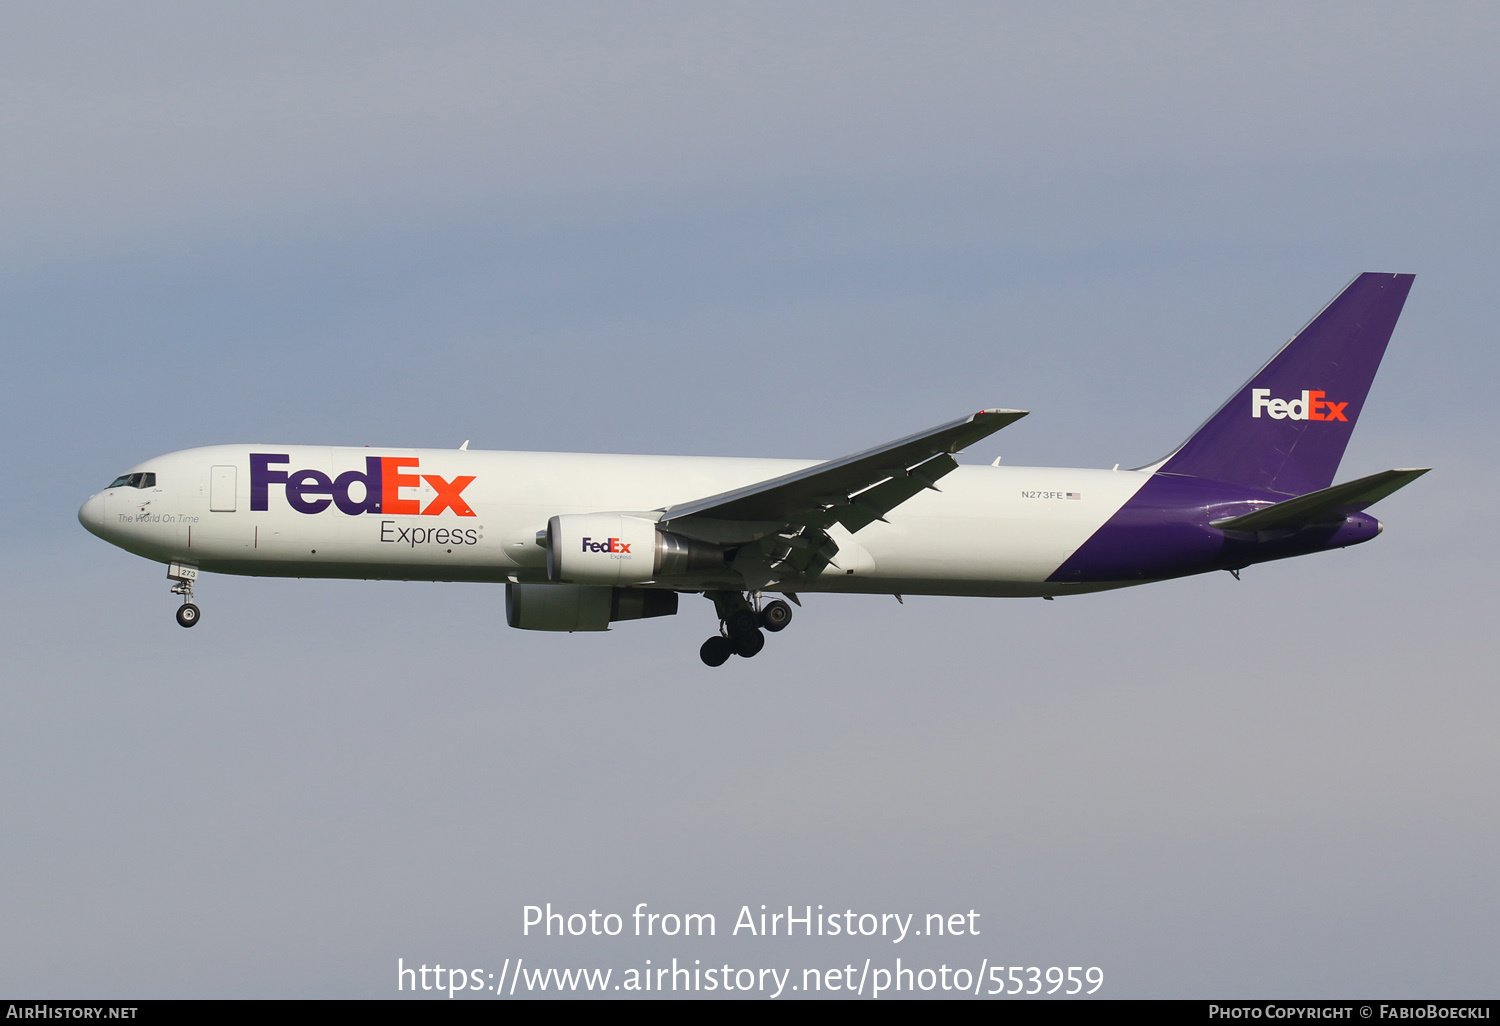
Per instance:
x=134, y=481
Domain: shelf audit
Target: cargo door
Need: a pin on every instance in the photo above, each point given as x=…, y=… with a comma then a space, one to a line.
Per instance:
x=221, y=488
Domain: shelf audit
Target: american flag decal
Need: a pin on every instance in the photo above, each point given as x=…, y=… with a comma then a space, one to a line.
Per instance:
x=1075, y=495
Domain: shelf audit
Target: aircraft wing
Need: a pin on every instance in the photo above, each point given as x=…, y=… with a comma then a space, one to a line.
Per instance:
x=795, y=510
x=839, y=481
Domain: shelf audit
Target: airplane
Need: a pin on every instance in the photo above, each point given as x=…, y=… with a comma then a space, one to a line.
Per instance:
x=582, y=541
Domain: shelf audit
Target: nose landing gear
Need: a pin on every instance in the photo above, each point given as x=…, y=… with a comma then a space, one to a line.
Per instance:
x=740, y=626
x=183, y=578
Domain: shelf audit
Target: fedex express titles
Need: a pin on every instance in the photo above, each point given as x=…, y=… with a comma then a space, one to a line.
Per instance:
x=312, y=491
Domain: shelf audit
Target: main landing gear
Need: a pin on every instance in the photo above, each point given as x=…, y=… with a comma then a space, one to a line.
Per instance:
x=742, y=626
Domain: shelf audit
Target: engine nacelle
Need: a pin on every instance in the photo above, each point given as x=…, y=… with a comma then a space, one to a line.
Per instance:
x=578, y=607
x=612, y=548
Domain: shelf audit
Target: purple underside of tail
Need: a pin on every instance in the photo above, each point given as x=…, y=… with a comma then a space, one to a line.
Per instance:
x=1164, y=531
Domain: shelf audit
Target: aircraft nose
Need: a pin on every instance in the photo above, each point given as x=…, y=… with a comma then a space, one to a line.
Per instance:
x=91, y=514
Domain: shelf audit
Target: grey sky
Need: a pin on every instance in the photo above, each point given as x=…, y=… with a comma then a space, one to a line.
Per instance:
x=758, y=229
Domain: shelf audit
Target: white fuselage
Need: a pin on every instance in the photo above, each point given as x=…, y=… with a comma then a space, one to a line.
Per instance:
x=991, y=530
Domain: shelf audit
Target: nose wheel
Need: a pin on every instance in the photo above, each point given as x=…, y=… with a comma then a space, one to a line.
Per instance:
x=182, y=578
x=742, y=627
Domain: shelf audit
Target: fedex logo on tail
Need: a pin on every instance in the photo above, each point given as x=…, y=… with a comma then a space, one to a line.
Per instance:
x=375, y=490
x=1312, y=406
x=608, y=545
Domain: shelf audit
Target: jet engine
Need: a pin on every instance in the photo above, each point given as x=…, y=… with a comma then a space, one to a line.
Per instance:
x=612, y=548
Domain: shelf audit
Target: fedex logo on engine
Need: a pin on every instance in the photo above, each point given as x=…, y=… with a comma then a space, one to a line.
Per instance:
x=1312, y=406
x=375, y=490
x=608, y=545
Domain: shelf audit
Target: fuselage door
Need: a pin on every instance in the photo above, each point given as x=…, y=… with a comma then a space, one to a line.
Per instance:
x=221, y=486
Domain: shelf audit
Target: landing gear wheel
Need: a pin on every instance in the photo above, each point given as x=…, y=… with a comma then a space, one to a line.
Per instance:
x=748, y=643
x=187, y=614
x=775, y=616
x=716, y=650
x=742, y=621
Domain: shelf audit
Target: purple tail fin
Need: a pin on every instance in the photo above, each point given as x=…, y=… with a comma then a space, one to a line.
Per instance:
x=1285, y=430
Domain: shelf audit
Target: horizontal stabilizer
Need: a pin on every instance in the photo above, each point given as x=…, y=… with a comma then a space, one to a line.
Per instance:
x=1324, y=505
